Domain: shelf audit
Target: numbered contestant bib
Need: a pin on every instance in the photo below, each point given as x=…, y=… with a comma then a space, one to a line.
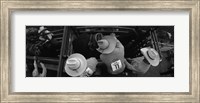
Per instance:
x=116, y=65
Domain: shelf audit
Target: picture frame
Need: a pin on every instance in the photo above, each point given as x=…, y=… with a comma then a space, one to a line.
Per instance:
x=7, y=7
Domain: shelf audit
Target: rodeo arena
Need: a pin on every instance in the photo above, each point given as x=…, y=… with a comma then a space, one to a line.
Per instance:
x=99, y=51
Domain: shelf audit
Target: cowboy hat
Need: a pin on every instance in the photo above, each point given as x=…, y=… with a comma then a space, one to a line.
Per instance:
x=75, y=65
x=151, y=55
x=106, y=44
x=41, y=29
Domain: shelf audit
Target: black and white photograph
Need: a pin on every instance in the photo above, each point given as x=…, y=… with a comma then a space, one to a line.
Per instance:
x=99, y=51
x=88, y=51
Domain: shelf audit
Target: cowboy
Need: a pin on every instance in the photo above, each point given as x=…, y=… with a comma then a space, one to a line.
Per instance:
x=77, y=65
x=47, y=43
x=112, y=54
x=45, y=35
x=142, y=64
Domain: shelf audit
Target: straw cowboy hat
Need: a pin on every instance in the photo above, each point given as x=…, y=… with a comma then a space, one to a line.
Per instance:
x=151, y=55
x=106, y=44
x=75, y=65
x=42, y=29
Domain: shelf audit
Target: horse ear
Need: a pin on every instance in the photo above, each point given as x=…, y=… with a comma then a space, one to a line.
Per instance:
x=98, y=36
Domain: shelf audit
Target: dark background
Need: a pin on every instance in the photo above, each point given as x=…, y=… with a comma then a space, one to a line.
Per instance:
x=133, y=39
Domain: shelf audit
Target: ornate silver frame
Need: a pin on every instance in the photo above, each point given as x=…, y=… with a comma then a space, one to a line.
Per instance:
x=193, y=6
